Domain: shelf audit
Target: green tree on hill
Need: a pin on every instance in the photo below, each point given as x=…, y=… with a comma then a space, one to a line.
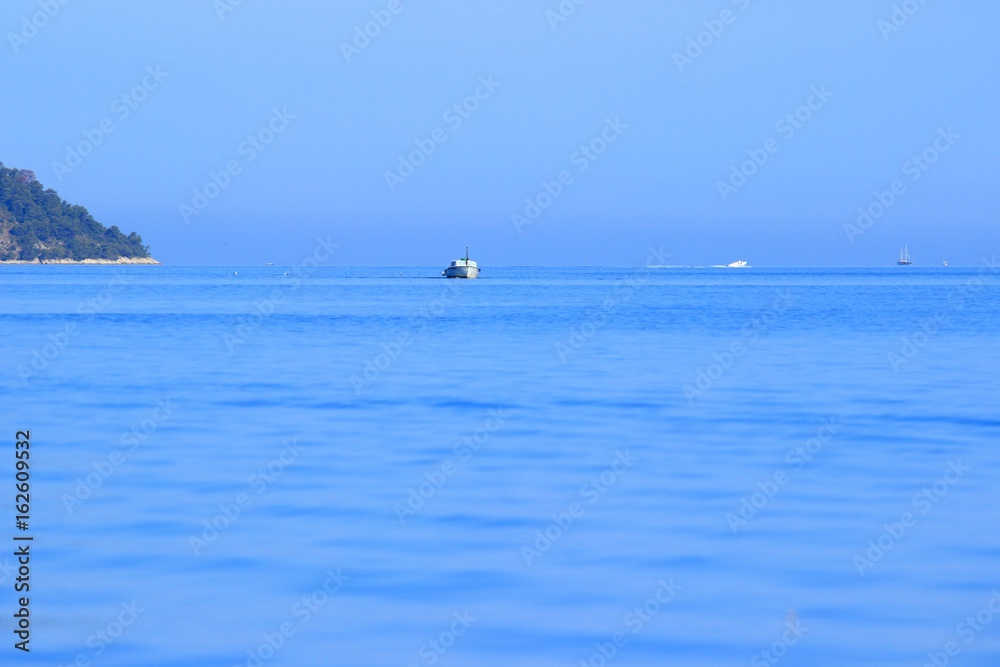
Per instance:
x=35, y=223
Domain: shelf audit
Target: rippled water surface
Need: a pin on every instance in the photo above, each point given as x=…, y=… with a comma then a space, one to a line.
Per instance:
x=628, y=466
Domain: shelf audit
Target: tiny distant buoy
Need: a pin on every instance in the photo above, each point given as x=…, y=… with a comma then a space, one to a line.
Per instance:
x=234, y=273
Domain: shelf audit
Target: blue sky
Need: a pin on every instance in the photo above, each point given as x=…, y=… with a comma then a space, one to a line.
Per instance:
x=309, y=129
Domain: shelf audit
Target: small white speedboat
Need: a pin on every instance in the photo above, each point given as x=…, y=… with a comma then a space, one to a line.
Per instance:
x=462, y=268
x=738, y=264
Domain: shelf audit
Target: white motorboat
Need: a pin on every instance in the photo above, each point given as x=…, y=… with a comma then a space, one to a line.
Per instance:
x=462, y=268
x=738, y=264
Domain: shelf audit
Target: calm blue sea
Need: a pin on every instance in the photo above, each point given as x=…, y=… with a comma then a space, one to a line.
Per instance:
x=559, y=466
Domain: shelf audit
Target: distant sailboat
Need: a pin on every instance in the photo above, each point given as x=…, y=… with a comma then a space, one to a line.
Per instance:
x=904, y=257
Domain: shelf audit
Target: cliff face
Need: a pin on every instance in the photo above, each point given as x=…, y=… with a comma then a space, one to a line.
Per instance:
x=36, y=225
x=8, y=246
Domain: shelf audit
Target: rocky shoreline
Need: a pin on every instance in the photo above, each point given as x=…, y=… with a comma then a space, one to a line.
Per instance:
x=120, y=260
